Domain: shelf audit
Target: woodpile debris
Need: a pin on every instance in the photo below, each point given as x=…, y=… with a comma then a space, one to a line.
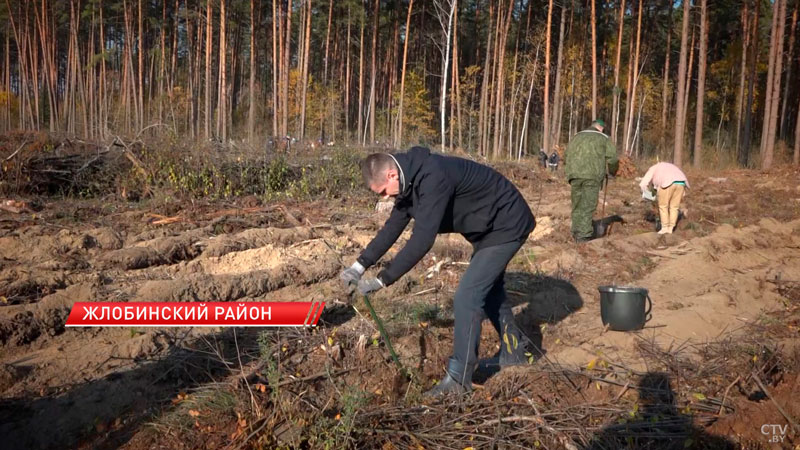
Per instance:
x=54, y=166
x=627, y=168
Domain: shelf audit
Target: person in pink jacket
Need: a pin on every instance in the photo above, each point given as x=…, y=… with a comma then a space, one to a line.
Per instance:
x=670, y=183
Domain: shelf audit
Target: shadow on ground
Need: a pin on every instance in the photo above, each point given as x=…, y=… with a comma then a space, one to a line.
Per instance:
x=658, y=424
x=543, y=299
x=107, y=412
x=538, y=299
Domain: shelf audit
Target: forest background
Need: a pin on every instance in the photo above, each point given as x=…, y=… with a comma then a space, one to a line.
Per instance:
x=708, y=83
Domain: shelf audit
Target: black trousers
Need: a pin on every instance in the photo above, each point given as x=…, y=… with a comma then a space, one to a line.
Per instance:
x=481, y=294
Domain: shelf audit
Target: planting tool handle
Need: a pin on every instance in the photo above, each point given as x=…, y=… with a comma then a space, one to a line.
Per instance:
x=354, y=286
x=647, y=314
x=383, y=332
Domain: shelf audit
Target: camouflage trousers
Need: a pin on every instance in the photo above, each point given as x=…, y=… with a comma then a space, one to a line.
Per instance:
x=584, y=202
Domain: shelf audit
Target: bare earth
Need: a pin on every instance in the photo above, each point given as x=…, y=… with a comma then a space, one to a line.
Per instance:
x=715, y=280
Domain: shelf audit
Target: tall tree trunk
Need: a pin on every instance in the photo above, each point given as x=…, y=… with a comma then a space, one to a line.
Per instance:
x=744, y=148
x=360, y=131
x=523, y=133
x=392, y=60
x=771, y=106
x=445, y=10
x=796, y=156
x=304, y=81
x=505, y=22
x=192, y=58
x=275, y=67
x=102, y=93
x=7, y=84
x=688, y=81
x=209, y=45
x=629, y=84
x=770, y=77
x=483, y=113
x=19, y=36
x=617, y=91
x=742, y=71
x=286, y=71
x=546, y=101
x=252, y=82
x=327, y=42
x=222, y=103
x=456, y=80
x=374, y=71
x=701, y=83
x=49, y=56
x=665, y=91
x=679, y=109
x=174, y=57
x=131, y=76
x=555, y=128
x=398, y=140
x=347, y=80
x=631, y=101
x=162, y=61
x=783, y=118
x=594, y=59
x=141, y=116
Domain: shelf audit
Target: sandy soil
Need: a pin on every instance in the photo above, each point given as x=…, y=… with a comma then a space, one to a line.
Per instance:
x=709, y=281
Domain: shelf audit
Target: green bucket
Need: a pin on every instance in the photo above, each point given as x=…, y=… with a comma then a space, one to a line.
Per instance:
x=624, y=308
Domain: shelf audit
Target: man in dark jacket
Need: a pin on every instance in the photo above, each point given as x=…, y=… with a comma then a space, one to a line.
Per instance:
x=445, y=194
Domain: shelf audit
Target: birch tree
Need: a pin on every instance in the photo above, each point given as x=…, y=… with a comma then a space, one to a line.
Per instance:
x=444, y=12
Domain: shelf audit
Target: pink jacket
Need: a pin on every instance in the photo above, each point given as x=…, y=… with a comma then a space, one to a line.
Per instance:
x=662, y=175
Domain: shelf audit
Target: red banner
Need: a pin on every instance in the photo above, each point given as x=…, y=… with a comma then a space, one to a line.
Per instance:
x=206, y=314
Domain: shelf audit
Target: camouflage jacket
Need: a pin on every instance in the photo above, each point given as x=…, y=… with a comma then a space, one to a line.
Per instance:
x=587, y=155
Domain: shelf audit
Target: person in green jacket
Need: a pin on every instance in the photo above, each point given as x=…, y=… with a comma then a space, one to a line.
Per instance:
x=589, y=157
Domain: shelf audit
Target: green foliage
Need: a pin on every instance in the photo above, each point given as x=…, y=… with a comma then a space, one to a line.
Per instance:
x=266, y=348
x=334, y=433
x=197, y=174
x=417, y=113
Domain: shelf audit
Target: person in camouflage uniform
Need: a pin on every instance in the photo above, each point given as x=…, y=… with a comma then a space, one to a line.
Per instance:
x=589, y=157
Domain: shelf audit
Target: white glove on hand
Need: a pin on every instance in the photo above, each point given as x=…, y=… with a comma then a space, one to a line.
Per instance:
x=369, y=286
x=352, y=274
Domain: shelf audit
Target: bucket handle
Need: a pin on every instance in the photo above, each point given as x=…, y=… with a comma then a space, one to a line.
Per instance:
x=647, y=313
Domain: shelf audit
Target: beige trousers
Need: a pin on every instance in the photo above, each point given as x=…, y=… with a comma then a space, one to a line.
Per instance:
x=669, y=199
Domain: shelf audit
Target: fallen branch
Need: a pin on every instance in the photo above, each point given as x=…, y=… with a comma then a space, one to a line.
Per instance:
x=16, y=151
x=725, y=395
x=311, y=377
x=511, y=419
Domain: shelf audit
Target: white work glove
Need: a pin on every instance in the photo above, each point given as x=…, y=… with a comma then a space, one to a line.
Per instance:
x=352, y=274
x=368, y=286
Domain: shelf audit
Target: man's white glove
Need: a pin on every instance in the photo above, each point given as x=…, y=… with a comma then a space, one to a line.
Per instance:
x=352, y=274
x=368, y=286
x=648, y=195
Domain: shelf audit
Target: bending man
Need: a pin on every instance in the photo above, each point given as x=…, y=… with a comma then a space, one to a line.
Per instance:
x=445, y=194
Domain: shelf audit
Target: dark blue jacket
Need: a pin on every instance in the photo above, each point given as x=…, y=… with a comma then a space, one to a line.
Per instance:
x=446, y=194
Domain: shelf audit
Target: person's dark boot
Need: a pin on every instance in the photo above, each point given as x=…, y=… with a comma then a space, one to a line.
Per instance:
x=515, y=350
x=447, y=386
x=451, y=383
x=513, y=346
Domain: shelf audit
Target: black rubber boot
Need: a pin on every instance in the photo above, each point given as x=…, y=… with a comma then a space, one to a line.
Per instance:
x=451, y=383
x=515, y=349
x=447, y=386
x=513, y=346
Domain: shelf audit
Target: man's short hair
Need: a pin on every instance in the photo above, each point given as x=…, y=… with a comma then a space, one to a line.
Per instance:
x=375, y=165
